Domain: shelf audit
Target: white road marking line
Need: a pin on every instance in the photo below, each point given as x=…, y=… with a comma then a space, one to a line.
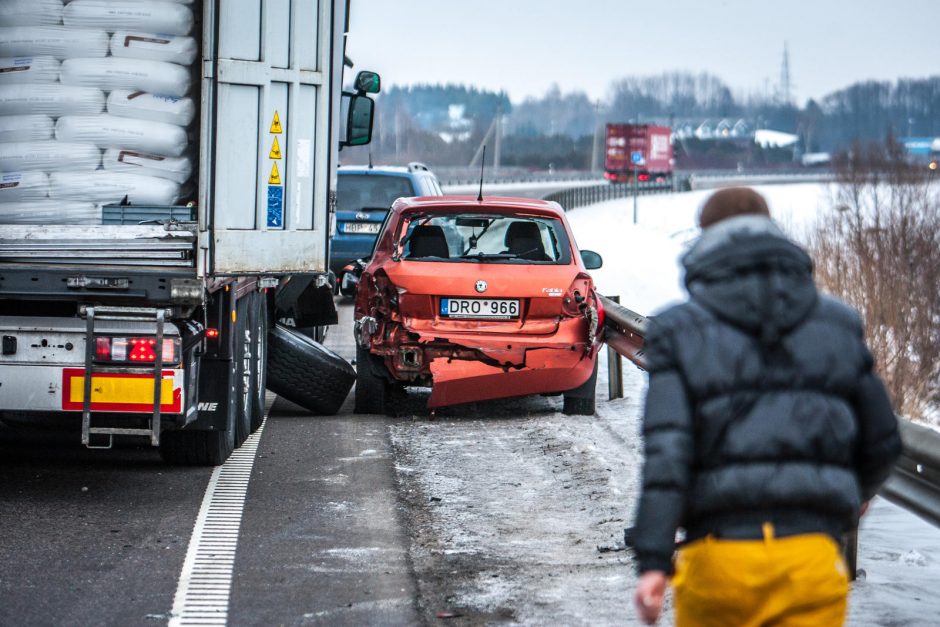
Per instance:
x=202, y=594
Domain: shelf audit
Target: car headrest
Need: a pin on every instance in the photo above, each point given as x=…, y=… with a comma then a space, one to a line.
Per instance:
x=525, y=239
x=428, y=241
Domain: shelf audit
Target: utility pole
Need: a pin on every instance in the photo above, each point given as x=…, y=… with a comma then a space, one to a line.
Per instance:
x=398, y=133
x=594, y=150
x=486, y=138
x=499, y=138
x=636, y=189
x=785, y=76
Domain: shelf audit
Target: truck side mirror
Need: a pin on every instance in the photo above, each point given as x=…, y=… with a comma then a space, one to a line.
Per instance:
x=359, y=121
x=368, y=82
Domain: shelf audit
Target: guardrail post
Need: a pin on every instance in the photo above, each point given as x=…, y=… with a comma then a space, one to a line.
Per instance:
x=850, y=551
x=614, y=368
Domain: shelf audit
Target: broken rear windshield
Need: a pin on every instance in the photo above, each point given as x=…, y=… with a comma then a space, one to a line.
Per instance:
x=486, y=238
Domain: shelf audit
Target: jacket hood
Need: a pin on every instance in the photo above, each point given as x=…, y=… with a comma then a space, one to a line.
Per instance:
x=745, y=271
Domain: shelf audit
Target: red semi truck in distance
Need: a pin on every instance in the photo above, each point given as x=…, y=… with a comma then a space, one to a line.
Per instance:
x=641, y=148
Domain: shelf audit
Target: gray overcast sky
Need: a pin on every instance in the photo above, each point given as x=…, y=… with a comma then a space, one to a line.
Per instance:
x=523, y=46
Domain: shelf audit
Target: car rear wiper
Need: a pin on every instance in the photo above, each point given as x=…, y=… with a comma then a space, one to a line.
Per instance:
x=490, y=256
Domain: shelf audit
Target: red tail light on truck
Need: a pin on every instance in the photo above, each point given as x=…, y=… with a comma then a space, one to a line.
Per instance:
x=135, y=350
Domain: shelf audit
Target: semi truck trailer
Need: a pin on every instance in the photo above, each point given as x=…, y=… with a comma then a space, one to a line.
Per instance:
x=125, y=317
x=641, y=151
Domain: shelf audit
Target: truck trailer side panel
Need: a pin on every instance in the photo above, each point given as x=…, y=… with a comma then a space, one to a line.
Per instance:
x=271, y=84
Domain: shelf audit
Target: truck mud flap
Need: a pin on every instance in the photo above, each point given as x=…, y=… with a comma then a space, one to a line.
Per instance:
x=306, y=303
x=306, y=373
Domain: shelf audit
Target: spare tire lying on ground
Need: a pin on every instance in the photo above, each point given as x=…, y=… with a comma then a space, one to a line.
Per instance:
x=307, y=373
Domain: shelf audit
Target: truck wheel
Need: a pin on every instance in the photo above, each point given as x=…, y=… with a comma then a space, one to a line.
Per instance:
x=580, y=401
x=190, y=447
x=244, y=367
x=259, y=326
x=306, y=373
x=372, y=389
x=196, y=448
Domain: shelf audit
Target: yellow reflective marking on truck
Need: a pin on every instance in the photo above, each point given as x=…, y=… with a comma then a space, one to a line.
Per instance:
x=275, y=150
x=276, y=124
x=124, y=390
x=275, y=178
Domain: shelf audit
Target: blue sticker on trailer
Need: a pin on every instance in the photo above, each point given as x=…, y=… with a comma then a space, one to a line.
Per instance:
x=275, y=206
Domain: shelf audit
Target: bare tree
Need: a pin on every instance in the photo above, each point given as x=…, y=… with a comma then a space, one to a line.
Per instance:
x=880, y=252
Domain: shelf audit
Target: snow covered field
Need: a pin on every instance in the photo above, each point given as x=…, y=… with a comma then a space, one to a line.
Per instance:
x=513, y=507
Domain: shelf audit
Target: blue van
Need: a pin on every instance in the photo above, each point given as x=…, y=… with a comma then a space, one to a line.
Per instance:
x=364, y=195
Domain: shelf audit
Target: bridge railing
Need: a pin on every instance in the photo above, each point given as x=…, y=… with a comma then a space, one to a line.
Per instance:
x=915, y=480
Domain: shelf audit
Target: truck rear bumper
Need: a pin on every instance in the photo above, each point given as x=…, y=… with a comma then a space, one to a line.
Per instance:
x=56, y=388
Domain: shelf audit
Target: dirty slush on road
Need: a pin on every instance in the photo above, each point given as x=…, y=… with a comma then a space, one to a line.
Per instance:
x=516, y=512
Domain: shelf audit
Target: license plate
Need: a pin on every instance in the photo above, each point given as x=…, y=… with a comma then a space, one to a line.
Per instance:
x=502, y=308
x=361, y=227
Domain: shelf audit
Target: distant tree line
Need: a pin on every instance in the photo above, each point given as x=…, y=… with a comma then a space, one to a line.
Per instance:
x=445, y=124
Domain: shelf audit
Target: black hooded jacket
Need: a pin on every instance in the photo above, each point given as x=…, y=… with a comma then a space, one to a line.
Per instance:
x=762, y=404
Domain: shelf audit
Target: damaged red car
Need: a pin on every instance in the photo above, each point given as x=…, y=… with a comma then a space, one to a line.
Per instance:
x=478, y=300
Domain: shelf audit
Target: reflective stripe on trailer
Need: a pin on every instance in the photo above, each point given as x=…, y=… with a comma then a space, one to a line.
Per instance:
x=120, y=392
x=27, y=387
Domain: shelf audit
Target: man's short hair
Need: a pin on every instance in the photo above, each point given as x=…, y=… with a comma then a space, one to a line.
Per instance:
x=730, y=202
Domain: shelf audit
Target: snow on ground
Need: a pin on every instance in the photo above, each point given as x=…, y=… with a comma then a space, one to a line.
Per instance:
x=510, y=503
x=511, y=506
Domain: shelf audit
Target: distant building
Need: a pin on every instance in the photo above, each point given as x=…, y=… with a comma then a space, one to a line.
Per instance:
x=766, y=138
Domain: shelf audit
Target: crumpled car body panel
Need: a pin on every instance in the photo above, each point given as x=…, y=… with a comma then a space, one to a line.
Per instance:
x=550, y=347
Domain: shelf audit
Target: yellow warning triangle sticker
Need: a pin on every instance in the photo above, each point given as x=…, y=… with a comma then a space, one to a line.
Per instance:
x=276, y=124
x=275, y=178
x=275, y=150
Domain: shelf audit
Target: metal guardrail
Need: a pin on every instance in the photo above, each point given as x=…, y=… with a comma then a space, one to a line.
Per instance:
x=450, y=176
x=624, y=330
x=915, y=480
x=575, y=197
x=459, y=175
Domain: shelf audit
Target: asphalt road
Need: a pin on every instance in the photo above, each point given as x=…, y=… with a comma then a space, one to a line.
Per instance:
x=90, y=537
x=99, y=537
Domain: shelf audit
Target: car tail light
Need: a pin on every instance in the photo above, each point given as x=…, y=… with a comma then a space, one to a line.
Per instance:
x=135, y=350
x=579, y=295
x=644, y=177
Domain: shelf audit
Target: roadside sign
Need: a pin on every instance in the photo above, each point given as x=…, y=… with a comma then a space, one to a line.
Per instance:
x=636, y=157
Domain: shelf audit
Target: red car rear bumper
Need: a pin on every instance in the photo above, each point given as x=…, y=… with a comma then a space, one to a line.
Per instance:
x=547, y=370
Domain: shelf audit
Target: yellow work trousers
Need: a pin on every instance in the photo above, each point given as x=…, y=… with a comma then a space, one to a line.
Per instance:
x=793, y=581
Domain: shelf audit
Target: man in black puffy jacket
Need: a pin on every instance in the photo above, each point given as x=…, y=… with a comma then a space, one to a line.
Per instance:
x=766, y=432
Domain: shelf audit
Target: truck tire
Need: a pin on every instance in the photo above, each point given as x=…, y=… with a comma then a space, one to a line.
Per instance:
x=245, y=345
x=197, y=448
x=259, y=326
x=306, y=373
x=192, y=447
x=372, y=389
x=580, y=401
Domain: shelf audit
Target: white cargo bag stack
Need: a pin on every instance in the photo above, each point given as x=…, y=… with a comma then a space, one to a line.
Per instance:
x=94, y=106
